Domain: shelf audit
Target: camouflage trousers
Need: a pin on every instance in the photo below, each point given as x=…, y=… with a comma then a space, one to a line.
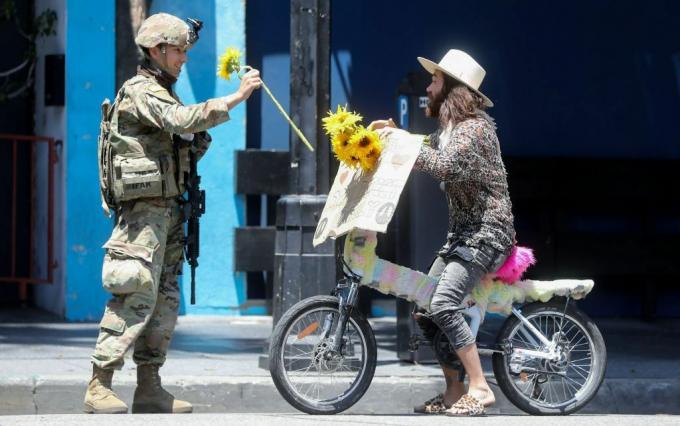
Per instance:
x=143, y=259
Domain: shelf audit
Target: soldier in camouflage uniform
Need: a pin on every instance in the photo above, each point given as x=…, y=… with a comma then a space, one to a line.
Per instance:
x=142, y=167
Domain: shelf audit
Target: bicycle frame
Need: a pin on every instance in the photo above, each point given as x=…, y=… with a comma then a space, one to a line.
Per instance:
x=347, y=291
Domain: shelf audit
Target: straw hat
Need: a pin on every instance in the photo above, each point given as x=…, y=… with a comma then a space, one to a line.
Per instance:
x=461, y=67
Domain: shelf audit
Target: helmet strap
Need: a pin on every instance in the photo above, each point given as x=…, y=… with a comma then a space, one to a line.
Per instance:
x=152, y=69
x=162, y=64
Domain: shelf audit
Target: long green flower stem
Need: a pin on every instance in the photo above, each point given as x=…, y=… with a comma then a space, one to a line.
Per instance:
x=284, y=113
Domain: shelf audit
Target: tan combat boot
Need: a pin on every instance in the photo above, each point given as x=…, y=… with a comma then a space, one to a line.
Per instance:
x=99, y=398
x=150, y=397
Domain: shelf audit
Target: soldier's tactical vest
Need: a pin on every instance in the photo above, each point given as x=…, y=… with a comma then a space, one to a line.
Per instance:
x=128, y=169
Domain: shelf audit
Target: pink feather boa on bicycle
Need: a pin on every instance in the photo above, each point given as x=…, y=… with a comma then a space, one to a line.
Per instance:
x=515, y=265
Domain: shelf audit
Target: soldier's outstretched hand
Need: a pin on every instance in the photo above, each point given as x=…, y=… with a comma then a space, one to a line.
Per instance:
x=250, y=81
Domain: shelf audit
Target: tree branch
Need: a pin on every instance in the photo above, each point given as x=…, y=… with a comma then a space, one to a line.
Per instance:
x=15, y=69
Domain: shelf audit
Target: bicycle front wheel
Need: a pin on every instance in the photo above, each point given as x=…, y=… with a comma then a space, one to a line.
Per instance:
x=305, y=370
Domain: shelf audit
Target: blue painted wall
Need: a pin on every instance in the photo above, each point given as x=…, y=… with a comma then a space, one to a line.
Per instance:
x=90, y=75
x=90, y=66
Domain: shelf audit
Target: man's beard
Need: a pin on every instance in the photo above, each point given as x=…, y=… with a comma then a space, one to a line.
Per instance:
x=434, y=104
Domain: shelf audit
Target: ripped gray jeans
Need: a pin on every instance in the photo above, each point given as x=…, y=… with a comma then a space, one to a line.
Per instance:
x=459, y=269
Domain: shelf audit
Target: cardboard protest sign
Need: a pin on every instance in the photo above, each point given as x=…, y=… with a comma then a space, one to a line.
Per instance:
x=367, y=200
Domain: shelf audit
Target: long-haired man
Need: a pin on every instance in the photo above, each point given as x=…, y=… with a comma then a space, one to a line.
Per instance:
x=464, y=154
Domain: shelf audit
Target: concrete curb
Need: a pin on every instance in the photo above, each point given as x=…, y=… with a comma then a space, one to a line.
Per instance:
x=387, y=395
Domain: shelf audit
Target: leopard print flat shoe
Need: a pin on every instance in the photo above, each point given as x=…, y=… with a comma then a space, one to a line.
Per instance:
x=467, y=406
x=432, y=406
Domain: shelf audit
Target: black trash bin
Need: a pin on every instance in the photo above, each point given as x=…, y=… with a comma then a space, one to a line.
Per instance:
x=300, y=269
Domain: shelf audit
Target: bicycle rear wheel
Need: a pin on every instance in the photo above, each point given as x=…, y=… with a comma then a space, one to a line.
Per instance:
x=543, y=387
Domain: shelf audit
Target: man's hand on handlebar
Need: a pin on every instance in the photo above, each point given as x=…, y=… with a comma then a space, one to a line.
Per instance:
x=381, y=124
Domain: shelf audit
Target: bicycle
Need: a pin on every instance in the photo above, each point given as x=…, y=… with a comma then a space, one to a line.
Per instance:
x=549, y=358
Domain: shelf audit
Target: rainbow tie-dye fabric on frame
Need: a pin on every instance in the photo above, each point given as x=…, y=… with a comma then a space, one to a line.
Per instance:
x=489, y=295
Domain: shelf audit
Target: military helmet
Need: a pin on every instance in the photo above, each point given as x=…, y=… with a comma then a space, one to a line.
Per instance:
x=165, y=28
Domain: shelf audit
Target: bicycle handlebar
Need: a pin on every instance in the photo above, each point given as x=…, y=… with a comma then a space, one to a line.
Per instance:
x=347, y=270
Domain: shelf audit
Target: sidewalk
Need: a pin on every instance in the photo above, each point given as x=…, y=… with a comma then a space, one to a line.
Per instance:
x=213, y=362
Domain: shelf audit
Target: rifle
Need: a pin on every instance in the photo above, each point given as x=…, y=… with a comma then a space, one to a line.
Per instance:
x=194, y=207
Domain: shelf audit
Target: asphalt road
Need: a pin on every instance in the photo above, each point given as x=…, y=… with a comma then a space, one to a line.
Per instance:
x=306, y=420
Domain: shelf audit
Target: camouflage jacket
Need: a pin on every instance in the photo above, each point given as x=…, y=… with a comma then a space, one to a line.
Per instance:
x=145, y=117
x=467, y=160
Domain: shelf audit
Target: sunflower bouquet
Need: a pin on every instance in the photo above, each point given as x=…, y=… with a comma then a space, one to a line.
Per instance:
x=353, y=144
x=230, y=62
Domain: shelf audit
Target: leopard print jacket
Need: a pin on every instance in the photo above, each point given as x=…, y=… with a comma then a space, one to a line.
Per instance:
x=475, y=182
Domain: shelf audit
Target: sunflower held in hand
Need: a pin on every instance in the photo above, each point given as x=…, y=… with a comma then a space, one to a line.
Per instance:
x=353, y=144
x=230, y=62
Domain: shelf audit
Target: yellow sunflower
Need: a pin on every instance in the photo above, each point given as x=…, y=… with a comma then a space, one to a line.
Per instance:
x=369, y=159
x=343, y=150
x=340, y=121
x=229, y=63
x=366, y=147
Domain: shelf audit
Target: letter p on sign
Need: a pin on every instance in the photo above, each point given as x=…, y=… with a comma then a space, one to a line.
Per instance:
x=402, y=105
